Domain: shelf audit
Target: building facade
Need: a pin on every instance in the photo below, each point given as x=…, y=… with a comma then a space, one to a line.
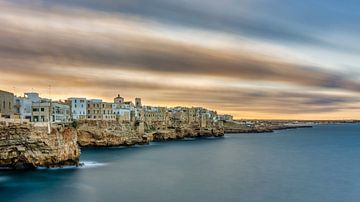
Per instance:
x=40, y=112
x=6, y=104
x=98, y=110
x=156, y=117
x=23, y=105
x=78, y=108
x=55, y=112
x=60, y=112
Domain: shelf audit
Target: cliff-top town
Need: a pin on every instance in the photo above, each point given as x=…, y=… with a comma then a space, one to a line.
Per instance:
x=39, y=132
x=32, y=108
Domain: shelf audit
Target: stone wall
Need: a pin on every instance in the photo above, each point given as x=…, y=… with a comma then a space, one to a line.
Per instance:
x=24, y=146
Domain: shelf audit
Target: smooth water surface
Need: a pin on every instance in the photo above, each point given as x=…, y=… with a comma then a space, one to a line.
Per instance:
x=319, y=164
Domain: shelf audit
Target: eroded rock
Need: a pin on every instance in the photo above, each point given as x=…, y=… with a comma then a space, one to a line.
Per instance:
x=24, y=146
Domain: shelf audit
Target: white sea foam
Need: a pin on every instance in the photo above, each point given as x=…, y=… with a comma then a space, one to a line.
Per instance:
x=91, y=164
x=84, y=164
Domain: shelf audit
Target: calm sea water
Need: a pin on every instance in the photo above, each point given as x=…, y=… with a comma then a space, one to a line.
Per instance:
x=320, y=164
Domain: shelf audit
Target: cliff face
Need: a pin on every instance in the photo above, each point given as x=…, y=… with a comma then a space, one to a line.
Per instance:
x=24, y=146
x=187, y=132
x=105, y=134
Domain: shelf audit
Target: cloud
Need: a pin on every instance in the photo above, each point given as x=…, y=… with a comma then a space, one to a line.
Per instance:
x=267, y=20
x=87, y=51
x=223, y=98
x=78, y=38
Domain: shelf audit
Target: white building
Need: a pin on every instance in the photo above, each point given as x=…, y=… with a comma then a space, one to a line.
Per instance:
x=23, y=105
x=122, y=111
x=78, y=108
x=60, y=112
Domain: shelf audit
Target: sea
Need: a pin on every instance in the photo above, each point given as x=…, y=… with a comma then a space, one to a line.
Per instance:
x=320, y=164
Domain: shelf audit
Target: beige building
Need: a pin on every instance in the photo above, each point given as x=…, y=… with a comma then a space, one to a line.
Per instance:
x=195, y=116
x=40, y=112
x=56, y=112
x=98, y=110
x=6, y=104
x=156, y=116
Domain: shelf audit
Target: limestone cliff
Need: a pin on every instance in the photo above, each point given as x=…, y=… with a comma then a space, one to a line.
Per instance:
x=24, y=146
x=105, y=134
x=187, y=132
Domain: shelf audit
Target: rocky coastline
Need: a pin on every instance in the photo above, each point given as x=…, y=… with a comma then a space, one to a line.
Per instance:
x=262, y=127
x=109, y=134
x=182, y=133
x=27, y=147
x=24, y=146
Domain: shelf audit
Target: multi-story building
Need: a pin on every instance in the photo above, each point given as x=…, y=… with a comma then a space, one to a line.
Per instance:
x=23, y=105
x=6, y=104
x=41, y=112
x=98, y=110
x=45, y=111
x=156, y=116
x=78, y=108
x=60, y=112
x=122, y=114
x=195, y=116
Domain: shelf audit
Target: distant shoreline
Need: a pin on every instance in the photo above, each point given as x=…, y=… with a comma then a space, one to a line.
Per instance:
x=269, y=126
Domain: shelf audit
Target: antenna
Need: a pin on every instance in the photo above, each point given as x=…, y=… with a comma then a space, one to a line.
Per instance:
x=50, y=91
x=50, y=111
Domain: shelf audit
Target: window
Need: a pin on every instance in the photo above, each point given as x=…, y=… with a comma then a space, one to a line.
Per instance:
x=42, y=109
x=35, y=109
x=75, y=106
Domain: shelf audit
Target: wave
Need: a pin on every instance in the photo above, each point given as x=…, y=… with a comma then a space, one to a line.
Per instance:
x=91, y=164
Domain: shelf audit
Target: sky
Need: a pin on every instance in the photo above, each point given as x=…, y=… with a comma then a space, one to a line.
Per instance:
x=254, y=59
